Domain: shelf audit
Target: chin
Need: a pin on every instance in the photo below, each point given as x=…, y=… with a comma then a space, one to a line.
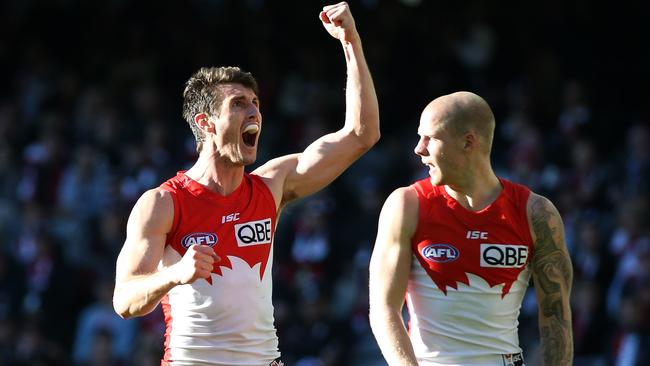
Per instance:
x=436, y=180
x=248, y=160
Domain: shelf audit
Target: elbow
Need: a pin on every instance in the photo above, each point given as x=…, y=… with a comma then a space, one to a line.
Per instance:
x=369, y=139
x=375, y=138
x=122, y=309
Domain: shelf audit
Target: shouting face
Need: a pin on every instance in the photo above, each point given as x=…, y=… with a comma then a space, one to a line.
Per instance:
x=238, y=125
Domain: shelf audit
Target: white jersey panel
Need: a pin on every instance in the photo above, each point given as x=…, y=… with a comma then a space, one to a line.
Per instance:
x=478, y=325
x=226, y=322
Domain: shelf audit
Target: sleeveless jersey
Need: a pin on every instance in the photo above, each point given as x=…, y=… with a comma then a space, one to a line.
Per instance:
x=228, y=318
x=469, y=273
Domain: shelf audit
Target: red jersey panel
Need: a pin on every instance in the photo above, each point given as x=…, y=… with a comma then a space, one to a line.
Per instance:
x=451, y=241
x=240, y=224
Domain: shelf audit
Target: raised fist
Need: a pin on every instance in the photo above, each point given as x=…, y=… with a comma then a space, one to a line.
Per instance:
x=338, y=21
x=196, y=263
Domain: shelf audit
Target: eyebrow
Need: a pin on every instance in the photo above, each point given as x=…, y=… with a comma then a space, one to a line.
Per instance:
x=243, y=97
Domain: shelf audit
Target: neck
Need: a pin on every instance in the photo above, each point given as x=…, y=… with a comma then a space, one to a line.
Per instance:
x=216, y=173
x=478, y=191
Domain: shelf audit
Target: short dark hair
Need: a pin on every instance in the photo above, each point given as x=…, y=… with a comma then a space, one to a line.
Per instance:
x=203, y=95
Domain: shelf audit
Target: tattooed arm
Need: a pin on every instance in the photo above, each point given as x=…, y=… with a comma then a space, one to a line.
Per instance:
x=552, y=275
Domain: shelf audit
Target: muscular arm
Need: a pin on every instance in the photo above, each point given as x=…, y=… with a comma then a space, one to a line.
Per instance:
x=298, y=175
x=389, y=271
x=553, y=275
x=139, y=285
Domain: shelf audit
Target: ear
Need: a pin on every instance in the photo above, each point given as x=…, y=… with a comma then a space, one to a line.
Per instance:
x=203, y=121
x=469, y=141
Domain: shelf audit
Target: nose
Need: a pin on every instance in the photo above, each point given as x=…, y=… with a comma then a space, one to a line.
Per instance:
x=420, y=148
x=253, y=112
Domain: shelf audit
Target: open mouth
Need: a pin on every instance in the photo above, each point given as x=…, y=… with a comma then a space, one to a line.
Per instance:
x=250, y=135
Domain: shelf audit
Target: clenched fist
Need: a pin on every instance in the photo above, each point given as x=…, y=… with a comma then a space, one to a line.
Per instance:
x=196, y=263
x=338, y=21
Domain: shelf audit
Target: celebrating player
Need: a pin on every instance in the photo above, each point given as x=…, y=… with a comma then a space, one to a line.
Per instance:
x=462, y=245
x=202, y=243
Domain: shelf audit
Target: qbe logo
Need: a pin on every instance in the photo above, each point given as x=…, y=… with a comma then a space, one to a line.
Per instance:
x=503, y=255
x=253, y=233
x=440, y=253
x=209, y=239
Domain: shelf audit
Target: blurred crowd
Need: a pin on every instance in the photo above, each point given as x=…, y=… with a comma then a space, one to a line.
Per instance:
x=90, y=117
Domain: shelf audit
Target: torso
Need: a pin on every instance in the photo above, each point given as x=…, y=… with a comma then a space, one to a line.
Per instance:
x=469, y=274
x=228, y=318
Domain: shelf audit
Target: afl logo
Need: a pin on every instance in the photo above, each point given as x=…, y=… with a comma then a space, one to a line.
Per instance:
x=440, y=253
x=209, y=239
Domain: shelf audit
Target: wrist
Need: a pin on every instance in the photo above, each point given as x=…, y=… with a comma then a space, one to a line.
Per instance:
x=170, y=275
x=351, y=39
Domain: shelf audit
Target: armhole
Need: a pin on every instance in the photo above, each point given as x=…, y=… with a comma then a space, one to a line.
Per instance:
x=176, y=214
x=421, y=196
x=266, y=192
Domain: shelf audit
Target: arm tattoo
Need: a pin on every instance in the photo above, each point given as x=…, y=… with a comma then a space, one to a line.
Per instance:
x=553, y=276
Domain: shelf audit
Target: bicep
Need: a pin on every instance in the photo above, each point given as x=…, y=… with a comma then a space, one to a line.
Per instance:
x=390, y=263
x=146, y=232
x=311, y=170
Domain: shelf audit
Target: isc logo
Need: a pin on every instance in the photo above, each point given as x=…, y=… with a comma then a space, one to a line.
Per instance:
x=440, y=253
x=503, y=256
x=253, y=233
x=472, y=234
x=230, y=218
x=209, y=239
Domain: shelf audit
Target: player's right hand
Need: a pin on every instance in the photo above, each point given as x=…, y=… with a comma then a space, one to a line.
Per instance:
x=196, y=263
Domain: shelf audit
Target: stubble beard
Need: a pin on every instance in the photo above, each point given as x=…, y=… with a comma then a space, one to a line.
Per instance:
x=238, y=158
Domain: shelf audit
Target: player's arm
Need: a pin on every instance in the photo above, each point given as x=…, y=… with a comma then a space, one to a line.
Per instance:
x=325, y=159
x=553, y=276
x=139, y=285
x=390, y=266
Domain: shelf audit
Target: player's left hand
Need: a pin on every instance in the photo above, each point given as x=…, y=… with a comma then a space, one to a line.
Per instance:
x=338, y=21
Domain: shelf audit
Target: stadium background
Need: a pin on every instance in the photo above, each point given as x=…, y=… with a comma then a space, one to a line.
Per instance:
x=90, y=117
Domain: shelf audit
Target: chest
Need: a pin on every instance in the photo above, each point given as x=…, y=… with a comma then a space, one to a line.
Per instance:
x=494, y=246
x=242, y=228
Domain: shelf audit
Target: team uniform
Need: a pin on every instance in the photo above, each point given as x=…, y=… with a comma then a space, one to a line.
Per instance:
x=469, y=273
x=228, y=318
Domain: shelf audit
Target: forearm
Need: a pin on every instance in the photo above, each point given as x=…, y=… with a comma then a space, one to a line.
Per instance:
x=555, y=333
x=362, y=110
x=139, y=295
x=392, y=338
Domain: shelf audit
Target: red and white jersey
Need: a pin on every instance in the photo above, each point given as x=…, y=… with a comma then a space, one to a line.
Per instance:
x=228, y=318
x=469, y=274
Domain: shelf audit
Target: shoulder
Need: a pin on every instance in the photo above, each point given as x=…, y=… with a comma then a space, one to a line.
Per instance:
x=401, y=209
x=277, y=167
x=155, y=207
x=543, y=216
x=403, y=197
x=156, y=197
x=517, y=193
x=274, y=174
x=539, y=206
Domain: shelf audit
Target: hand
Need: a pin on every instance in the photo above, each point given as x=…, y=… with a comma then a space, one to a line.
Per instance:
x=338, y=21
x=196, y=263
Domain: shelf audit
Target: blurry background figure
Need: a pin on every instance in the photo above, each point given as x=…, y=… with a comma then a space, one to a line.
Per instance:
x=102, y=337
